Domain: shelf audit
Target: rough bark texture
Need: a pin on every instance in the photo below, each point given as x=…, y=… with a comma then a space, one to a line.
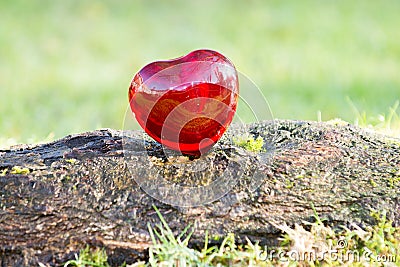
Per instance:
x=81, y=189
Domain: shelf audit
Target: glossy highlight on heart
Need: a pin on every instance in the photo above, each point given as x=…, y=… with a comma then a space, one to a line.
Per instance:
x=186, y=103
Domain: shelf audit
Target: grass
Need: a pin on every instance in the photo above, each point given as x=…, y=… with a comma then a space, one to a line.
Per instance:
x=66, y=65
x=318, y=246
x=87, y=257
x=387, y=123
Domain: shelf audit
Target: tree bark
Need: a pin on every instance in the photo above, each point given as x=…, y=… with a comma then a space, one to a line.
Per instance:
x=83, y=189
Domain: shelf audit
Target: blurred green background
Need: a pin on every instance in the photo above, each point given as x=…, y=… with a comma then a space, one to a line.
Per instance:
x=65, y=66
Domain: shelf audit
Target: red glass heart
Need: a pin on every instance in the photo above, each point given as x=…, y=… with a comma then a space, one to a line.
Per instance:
x=186, y=103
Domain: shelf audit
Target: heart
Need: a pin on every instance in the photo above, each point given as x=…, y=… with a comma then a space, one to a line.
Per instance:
x=186, y=103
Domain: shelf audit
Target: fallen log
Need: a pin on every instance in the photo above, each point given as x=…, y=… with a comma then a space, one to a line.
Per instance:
x=83, y=189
